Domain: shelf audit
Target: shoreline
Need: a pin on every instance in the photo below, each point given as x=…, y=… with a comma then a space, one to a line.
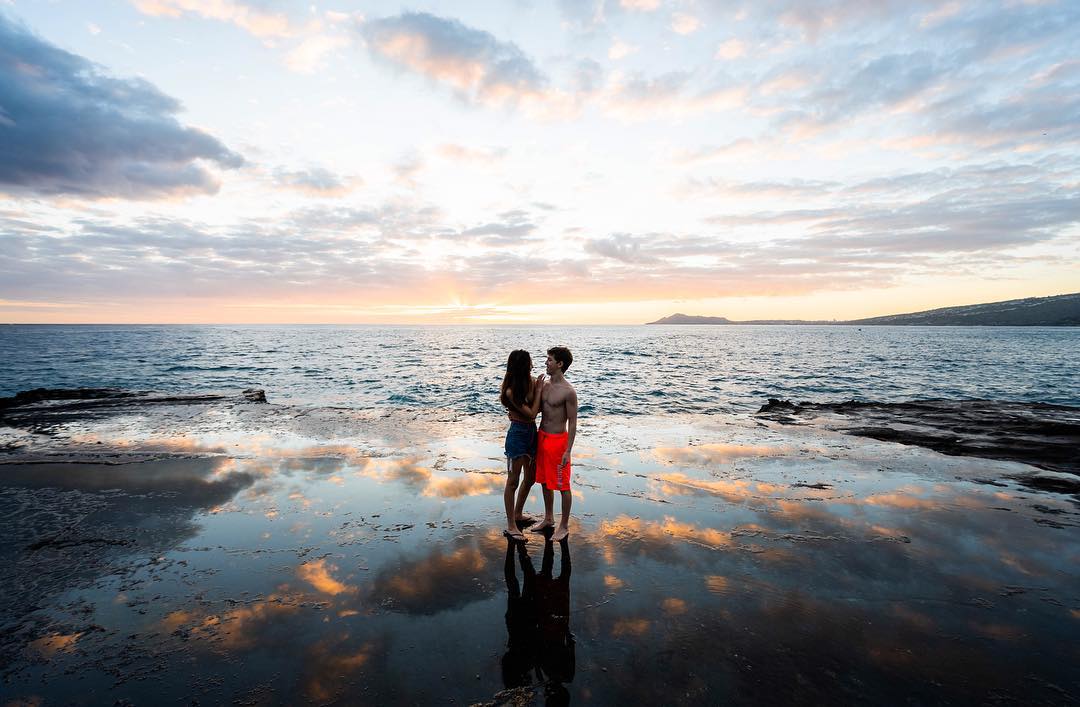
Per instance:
x=352, y=555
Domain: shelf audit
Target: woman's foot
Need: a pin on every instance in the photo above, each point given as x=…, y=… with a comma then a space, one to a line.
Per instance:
x=561, y=534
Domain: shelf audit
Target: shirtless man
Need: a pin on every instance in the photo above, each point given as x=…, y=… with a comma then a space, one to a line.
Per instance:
x=558, y=427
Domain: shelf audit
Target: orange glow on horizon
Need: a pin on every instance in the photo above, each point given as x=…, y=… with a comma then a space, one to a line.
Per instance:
x=539, y=303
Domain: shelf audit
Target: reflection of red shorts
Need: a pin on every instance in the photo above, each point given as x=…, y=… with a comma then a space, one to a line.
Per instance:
x=549, y=451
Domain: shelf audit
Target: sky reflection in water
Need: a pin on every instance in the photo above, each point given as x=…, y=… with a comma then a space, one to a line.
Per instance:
x=748, y=564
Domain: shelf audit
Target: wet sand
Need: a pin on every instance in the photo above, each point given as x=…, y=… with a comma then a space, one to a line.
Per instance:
x=218, y=550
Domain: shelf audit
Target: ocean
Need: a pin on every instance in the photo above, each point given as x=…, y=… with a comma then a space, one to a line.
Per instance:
x=624, y=370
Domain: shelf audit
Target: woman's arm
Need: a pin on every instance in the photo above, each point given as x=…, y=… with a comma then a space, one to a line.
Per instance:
x=533, y=408
x=513, y=410
x=529, y=411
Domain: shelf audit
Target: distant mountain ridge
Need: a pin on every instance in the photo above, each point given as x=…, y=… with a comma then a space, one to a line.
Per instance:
x=1058, y=310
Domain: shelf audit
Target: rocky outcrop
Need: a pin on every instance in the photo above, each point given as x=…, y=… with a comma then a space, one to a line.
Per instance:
x=43, y=407
x=1042, y=435
x=38, y=395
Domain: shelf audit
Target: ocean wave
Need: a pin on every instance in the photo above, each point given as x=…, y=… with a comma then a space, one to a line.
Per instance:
x=619, y=370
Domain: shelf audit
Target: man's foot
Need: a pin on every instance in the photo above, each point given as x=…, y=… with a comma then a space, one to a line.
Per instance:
x=542, y=526
x=516, y=536
x=561, y=534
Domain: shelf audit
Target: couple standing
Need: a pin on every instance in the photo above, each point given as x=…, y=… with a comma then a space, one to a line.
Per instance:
x=544, y=455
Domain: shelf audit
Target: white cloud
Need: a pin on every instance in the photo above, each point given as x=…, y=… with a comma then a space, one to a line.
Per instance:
x=254, y=20
x=620, y=49
x=640, y=5
x=681, y=23
x=731, y=49
x=311, y=54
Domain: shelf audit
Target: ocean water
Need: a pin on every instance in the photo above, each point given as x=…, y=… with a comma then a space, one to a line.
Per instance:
x=627, y=370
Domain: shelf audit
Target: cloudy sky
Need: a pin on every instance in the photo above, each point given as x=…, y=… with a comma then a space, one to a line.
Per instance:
x=577, y=161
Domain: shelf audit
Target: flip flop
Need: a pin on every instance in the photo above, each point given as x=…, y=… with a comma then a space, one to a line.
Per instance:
x=516, y=537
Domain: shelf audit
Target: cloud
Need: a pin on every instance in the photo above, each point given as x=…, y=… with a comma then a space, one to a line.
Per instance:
x=682, y=23
x=640, y=5
x=671, y=95
x=823, y=98
x=1042, y=117
x=940, y=14
x=742, y=147
x=790, y=189
x=812, y=20
x=464, y=153
x=976, y=209
x=475, y=65
x=620, y=50
x=622, y=247
x=588, y=76
x=514, y=227
x=311, y=54
x=408, y=168
x=584, y=14
x=316, y=181
x=870, y=233
x=730, y=49
x=68, y=128
x=866, y=234
x=254, y=20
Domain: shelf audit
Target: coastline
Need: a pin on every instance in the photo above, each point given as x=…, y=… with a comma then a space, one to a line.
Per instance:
x=337, y=553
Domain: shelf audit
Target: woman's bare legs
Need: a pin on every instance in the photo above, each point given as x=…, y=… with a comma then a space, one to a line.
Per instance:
x=513, y=474
x=523, y=492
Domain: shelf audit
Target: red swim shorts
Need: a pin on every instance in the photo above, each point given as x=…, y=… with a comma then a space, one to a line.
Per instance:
x=549, y=452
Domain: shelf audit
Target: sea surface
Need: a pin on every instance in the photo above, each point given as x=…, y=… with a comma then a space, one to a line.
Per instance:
x=626, y=370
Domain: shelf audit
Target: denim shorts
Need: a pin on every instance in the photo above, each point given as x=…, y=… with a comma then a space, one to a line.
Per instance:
x=520, y=440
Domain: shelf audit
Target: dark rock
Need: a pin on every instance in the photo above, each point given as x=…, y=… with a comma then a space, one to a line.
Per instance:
x=38, y=395
x=1042, y=435
x=778, y=406
x=255, y=395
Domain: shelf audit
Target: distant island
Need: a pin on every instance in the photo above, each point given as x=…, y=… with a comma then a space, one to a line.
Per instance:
x=1059, y=310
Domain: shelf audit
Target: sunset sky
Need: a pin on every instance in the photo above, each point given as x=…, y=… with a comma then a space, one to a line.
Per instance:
x=526, y=161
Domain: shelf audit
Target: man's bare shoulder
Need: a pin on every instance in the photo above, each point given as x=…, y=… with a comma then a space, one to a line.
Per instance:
x=563, y=388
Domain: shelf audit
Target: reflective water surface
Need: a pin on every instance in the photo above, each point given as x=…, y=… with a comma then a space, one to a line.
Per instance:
x=627, y=370
x=713, y=560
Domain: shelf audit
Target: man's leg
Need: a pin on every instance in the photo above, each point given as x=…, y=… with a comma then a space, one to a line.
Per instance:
x=524, y=490
x=563, y=530
x=549, y=515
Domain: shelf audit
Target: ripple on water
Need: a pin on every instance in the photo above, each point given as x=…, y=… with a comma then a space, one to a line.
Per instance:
x=630, y=370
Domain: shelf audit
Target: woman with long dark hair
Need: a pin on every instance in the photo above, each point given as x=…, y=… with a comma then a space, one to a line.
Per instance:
x=520, y=395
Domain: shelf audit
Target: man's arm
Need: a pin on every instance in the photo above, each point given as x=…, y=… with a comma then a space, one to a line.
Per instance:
x=571, y=426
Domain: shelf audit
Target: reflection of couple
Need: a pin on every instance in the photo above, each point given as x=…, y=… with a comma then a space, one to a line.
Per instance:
x=544, y=455
x=538, y=623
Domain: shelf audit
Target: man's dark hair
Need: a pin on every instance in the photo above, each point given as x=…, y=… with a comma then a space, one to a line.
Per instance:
x=562, y=355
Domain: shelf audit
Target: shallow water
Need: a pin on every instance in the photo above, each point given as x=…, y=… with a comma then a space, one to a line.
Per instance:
x=630, y=370
x=252, y=553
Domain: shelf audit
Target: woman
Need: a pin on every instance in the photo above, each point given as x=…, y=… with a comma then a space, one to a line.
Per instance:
x=520, y=395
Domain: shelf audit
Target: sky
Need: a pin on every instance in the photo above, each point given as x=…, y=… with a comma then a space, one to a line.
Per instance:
x=573, y=161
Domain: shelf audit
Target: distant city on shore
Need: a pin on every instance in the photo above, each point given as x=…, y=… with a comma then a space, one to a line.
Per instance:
x=1059, y=310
